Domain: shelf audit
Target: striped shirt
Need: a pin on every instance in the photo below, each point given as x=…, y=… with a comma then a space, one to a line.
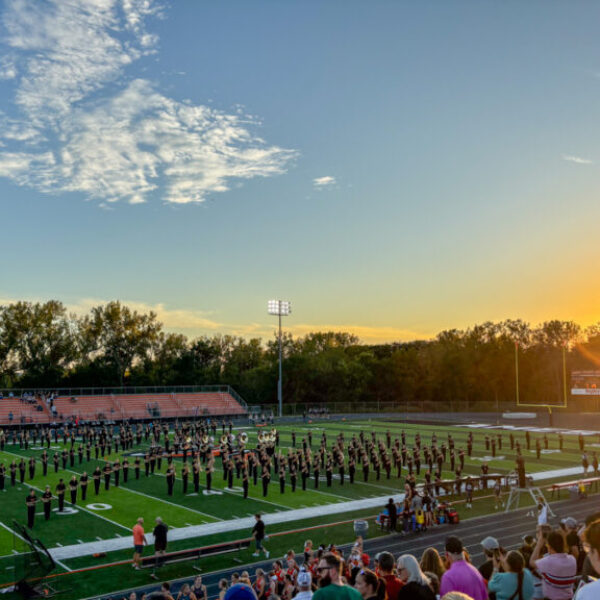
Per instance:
x=558, y=572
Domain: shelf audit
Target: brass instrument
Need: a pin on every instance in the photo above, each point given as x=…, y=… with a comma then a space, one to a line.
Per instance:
x=224, y=439
x=205, y=439
x=243, y=438
x=261, y=436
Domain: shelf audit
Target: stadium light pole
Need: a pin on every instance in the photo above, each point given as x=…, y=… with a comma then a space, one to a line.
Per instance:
x=280, y=308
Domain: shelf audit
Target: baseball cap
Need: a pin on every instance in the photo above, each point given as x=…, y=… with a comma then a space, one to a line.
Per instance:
x=240, y=591
x=569, y=522
x=304, y=579
x=490, y=543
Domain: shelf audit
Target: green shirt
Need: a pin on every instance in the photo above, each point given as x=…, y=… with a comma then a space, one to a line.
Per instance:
x=337, y=592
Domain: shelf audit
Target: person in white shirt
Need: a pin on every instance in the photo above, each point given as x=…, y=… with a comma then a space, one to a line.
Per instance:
x=591, y=544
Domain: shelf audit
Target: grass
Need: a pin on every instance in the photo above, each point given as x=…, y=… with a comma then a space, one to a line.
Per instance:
x=148, y=497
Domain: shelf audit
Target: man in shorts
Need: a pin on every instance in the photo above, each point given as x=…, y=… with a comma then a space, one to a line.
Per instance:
x=139, y=541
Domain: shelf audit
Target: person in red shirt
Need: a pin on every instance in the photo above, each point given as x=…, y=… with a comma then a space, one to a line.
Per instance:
x=386, y=571
x=139, y=541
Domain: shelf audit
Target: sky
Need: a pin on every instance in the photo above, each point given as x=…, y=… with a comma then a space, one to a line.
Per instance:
x=392, y=168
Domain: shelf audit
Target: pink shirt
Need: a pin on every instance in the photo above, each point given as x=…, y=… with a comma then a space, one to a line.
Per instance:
x=558, y=575
x=464, y=577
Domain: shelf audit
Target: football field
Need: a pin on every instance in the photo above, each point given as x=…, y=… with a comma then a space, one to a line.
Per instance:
x=112, y=513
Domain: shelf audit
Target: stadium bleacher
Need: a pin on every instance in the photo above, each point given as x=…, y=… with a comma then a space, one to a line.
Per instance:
x=122, y=406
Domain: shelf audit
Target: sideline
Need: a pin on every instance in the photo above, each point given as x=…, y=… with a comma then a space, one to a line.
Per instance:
x=287, y=516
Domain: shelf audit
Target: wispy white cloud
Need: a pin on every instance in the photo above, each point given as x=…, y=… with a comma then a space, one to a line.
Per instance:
x=110, y=137
x=577, y=159
x=321, y=182
x=8, y=69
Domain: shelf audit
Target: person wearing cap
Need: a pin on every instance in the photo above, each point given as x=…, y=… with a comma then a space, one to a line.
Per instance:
x=461, y=576
x=304, y=582
x=490, y=547
x=240, y=591
x=574, y=547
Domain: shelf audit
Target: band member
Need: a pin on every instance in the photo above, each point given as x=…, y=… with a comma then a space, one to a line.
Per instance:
x=83, y=482
x=185, y=475
x=60, y=494
x=137, y=467
x=351, y=469
x=147, y=464
x=96, y=476
x=31, y=501
x=117, y=471
x=170, y=480
x=22, y=469
x=281, y=477
x=31, y=468
x=47, y=502
x=316, y=472
x=44, y=459
x=245, y=480
x=2, y=474
x=80, y=453
x=210, y=467
x=73, y=485
x=196, y=468
x=107, y=472
x=266, y=478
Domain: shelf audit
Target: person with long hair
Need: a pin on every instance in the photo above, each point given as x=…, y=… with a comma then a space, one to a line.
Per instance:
x=416, y=583
x=591, y=539
x=432, y=562
x=370, y=586
x=516, y=583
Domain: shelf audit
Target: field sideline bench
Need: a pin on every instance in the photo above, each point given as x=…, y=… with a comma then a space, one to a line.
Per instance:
x=588, y=481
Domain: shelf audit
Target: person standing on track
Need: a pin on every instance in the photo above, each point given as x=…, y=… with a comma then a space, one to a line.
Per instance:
x=139, y=541
x=258, y=533
x=160, y=544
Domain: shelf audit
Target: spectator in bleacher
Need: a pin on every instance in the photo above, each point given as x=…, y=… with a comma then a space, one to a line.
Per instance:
x=186, y=593
x=558, y=569
x=490, y=547
x=304, y=581
x=331, y=585
x=416, y=583
x=431, y=562
x=515, y=582
x=369, y=585
x=588, y=568
x=591, y=536
x=199, y=589
x=223, y=585
x=386, y=568
x=569, y=527
x=461, y=576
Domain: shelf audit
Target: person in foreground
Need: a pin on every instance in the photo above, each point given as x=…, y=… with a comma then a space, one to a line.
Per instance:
x=370, y=586
x=331, y=586
x=591, y=538
x=461, y=576
x=516, y=582
x=416, y=583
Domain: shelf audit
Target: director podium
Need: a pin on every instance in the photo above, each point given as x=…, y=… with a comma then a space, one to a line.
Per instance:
x=524, y=486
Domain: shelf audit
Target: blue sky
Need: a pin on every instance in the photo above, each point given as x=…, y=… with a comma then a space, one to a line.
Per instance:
x=392, y=168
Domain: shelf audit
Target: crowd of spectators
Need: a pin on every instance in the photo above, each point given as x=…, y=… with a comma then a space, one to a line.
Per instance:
x=553, y=564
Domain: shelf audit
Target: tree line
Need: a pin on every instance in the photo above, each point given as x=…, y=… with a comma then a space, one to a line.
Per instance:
x=43, y=346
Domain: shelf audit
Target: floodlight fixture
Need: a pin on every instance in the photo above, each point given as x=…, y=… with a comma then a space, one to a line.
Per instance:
x=280, y=308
